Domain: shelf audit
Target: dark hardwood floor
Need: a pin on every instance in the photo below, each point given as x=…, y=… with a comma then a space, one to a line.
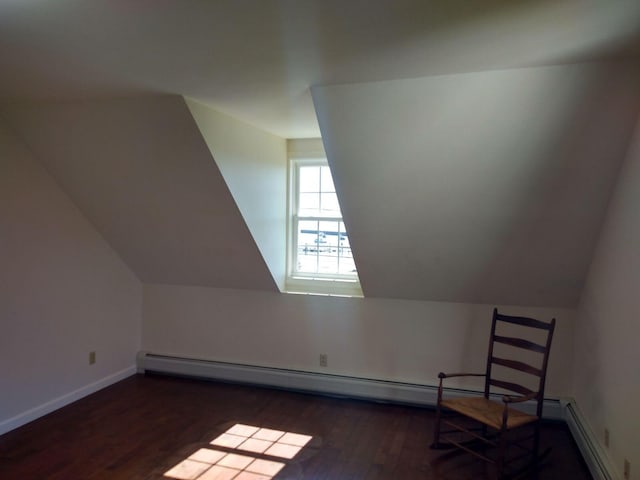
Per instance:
x=145, y=426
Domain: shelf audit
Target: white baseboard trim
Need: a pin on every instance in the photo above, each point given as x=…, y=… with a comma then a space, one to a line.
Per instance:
x=59, y=402
x=593, y=453
x=352, y=387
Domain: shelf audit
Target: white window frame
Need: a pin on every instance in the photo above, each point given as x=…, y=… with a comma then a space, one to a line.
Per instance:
x=316, y=283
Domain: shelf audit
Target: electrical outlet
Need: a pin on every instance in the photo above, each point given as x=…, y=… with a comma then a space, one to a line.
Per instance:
x=323, y=359
x=92, y=358
x=606, y=437
x=627, y=469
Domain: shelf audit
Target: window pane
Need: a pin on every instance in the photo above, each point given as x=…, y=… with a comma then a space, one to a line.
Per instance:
x=309, y=242
x=309, y=204
x=328, y=255
x=308, y=233
x=309, y=179
x=347, y=266
x=307, y=263
x=327, y=180
x=344, y=238
x=330, y=205
x=328, y=264
x=330, y=230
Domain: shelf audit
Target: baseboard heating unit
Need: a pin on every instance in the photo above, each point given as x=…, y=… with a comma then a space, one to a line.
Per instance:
x=594, y=456
x=313, y=382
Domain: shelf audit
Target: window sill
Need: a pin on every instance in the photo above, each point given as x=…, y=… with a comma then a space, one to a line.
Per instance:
x=322, y=286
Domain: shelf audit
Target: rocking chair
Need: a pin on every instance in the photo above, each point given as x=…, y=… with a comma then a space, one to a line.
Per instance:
x=488, y=426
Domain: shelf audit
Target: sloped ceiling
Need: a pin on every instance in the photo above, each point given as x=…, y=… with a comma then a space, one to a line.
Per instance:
x=139, y=169
x=483, y=188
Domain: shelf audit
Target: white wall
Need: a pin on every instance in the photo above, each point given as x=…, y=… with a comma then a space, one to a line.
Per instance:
x=254, y=166
x=399, y=340
x=63, y=293
x=607, y=362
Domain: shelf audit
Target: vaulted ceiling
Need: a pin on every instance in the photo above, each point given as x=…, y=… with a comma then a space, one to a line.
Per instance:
x=474, y=145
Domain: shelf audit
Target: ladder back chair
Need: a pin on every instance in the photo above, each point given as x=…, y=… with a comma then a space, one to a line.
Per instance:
x=490, y=426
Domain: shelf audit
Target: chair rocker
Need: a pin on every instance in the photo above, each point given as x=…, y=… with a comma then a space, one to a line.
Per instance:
x=491, y=427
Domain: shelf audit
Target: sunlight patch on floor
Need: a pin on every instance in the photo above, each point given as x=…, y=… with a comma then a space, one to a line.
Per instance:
x=261, y=454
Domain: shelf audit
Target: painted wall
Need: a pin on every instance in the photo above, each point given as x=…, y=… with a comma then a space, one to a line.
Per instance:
x=254, y=166
x=399, y=340
x=607, y=373
x=63, y=293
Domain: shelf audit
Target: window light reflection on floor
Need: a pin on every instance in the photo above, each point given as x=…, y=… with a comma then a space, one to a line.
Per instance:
x=258, y=451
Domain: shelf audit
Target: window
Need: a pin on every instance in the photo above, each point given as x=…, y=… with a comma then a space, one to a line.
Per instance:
x=320, y=257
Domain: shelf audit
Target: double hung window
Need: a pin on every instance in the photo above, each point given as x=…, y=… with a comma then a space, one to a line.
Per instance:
x=320, y=256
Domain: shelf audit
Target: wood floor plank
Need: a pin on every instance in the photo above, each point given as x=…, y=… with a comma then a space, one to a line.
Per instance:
x=143, y=426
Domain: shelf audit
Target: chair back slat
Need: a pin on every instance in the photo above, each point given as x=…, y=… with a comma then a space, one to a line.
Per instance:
x=524, y=321
x=516, y=365
x=520, y=343
x=513, y=387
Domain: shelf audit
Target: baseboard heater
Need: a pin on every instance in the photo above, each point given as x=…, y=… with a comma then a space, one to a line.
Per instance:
x=314, y=382
x=593, y=454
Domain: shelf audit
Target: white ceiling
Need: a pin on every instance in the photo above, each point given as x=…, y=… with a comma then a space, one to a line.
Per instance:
x=256, y=59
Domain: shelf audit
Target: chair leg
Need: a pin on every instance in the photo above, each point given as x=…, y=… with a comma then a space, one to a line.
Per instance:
x=502, y=452
x=436, y=430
